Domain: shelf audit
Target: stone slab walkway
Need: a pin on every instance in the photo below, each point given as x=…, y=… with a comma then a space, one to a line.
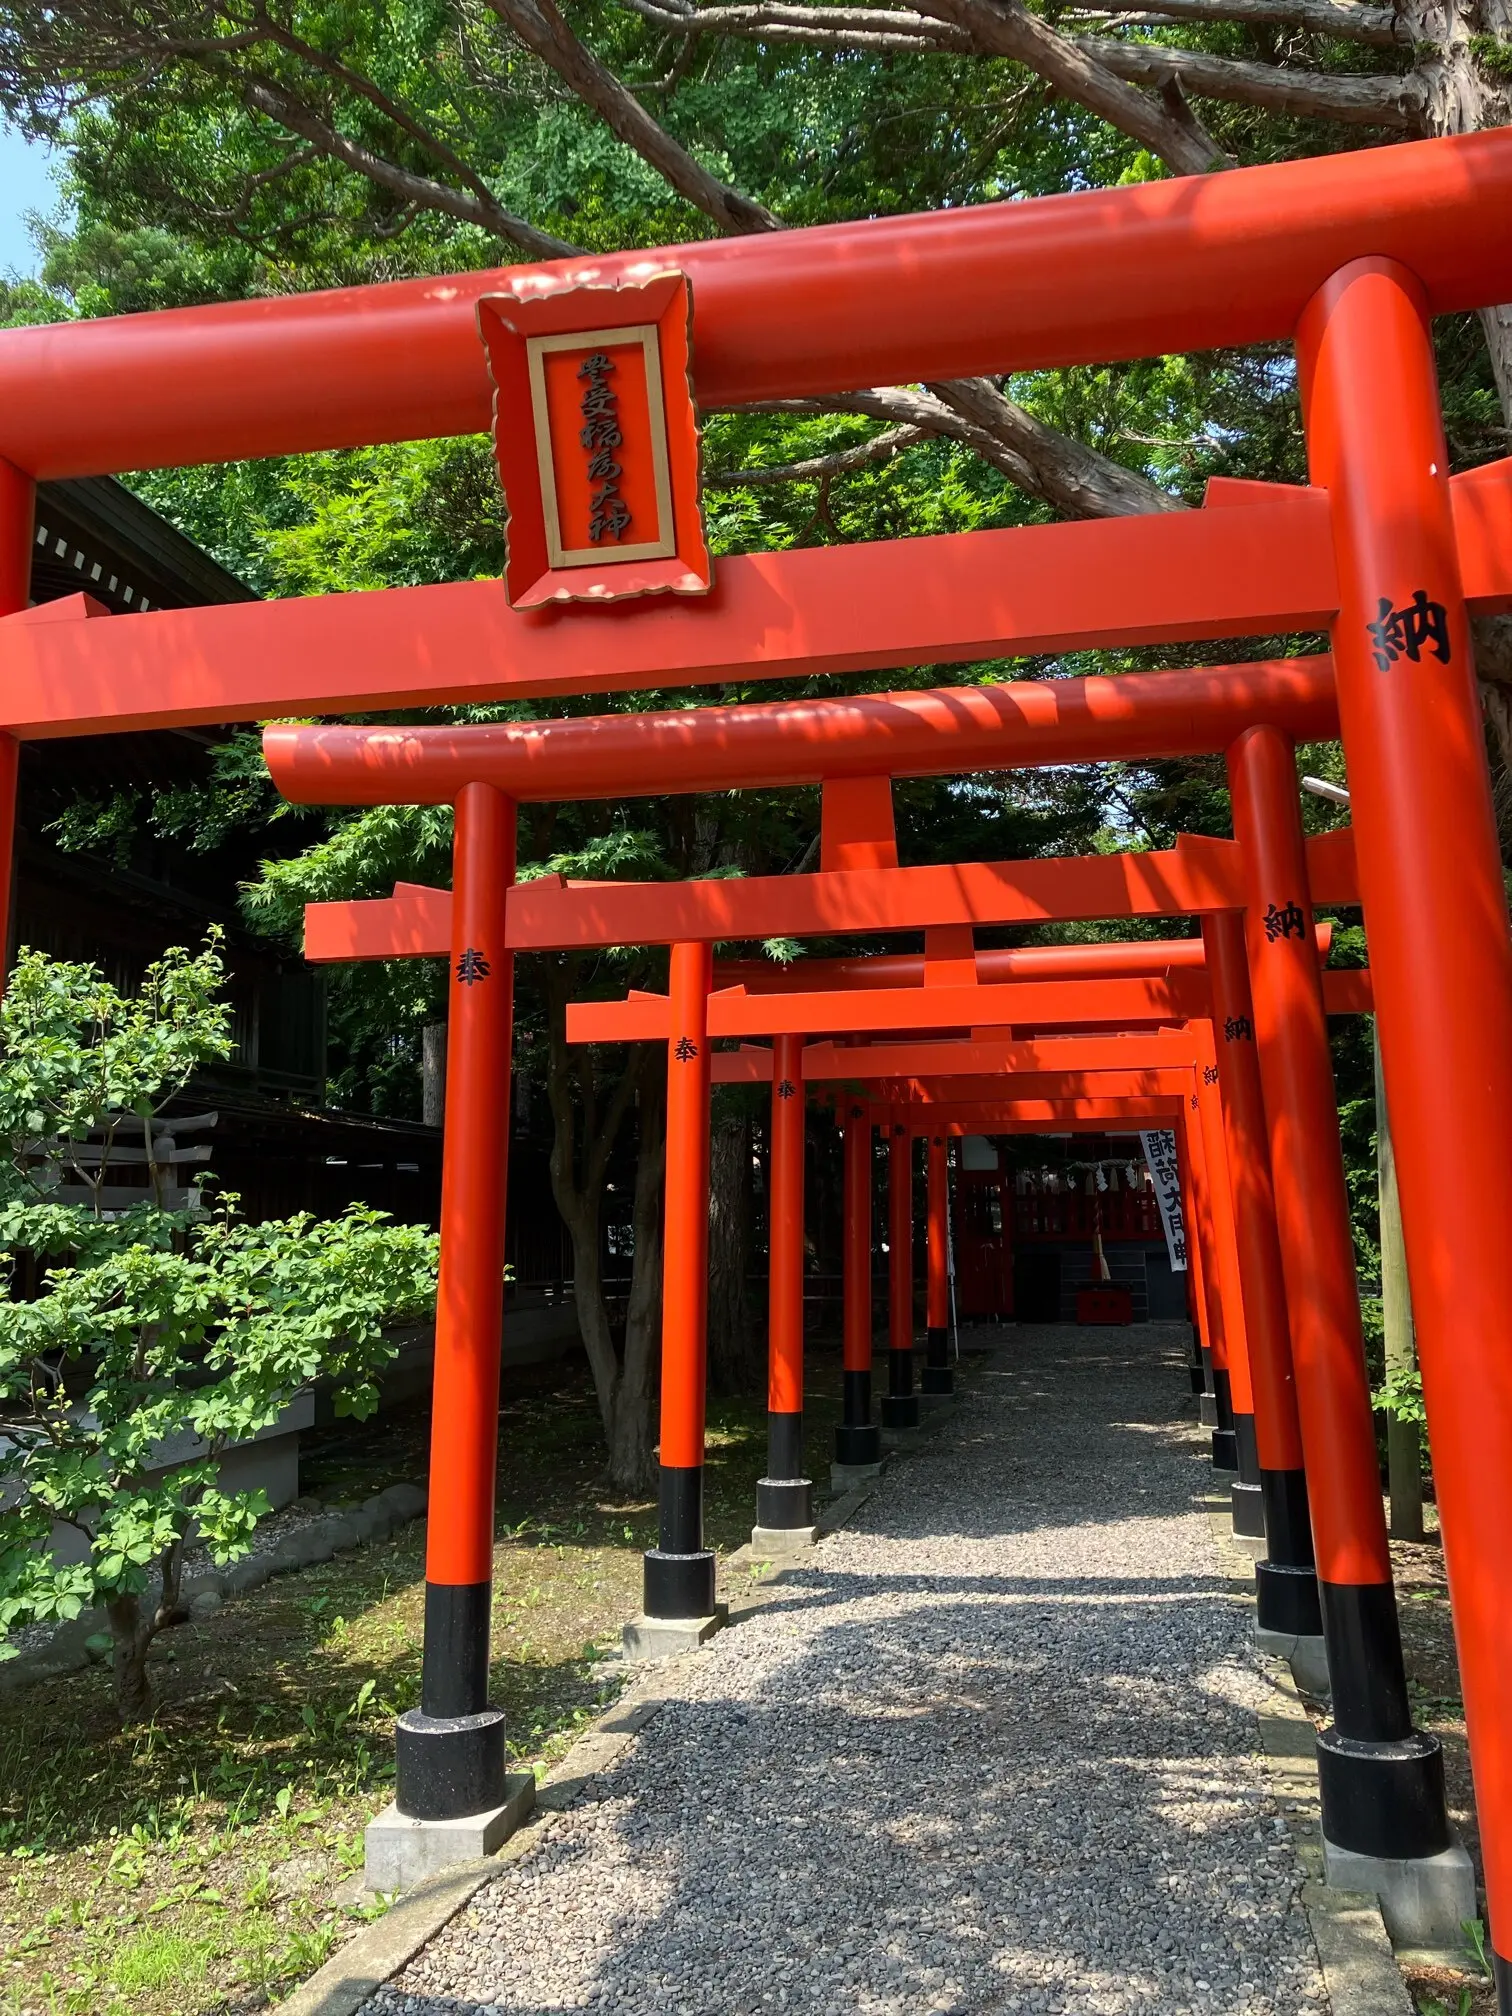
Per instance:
x=992, y=1749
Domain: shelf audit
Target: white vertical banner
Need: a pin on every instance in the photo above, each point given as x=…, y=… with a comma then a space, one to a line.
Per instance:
x=1159, y=1147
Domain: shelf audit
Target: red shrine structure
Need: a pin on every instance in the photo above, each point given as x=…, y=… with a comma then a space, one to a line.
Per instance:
x=592, y=373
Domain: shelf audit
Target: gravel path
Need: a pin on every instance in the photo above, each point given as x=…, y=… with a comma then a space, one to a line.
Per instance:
x=994, y=1749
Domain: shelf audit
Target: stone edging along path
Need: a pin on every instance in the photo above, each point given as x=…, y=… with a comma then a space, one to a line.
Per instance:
x=1353, y=1967
x=84, y=1641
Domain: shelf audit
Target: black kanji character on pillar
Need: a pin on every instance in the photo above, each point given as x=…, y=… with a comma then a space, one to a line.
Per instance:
x=786, y=1089
x=1402, y=633
x=1238, y=1028
x=471, y=966
x=1210, y=1074
x=1287, y=923
x=685, y=1050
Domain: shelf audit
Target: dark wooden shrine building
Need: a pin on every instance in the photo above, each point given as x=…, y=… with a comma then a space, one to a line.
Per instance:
x=1031, y=1214
x=121, y=901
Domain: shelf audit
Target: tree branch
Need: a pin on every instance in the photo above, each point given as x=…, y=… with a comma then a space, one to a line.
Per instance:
x=839, y=463
x=1301, y=94
x=1007, y=28
x=1034, y=457
x=826, y=27
x=1348, y=20
x=543, y=31
x=363, y=87
x=275, y=103
x=1066, y=473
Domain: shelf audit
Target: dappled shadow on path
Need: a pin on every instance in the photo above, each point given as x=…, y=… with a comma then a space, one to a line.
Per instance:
x=982, y=1754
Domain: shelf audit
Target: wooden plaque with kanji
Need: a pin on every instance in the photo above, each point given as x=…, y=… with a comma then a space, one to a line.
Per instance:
x=596, y=439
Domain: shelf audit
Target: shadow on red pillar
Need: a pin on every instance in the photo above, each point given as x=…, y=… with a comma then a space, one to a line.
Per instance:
x=785, y=1496
x=937, y=1375
x=858, y=1440
x=1381, y=1781
x=900, y=1404
x=450, y=1751
x=1286, y=1581
x=1234, y=1397
x=679, y=1570
x=1202, y=1262
x=1436, y=915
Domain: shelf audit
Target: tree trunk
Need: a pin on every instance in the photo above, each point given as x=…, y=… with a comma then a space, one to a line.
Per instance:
x=732, y=1354
x=632, y=1437
x=1403, y=1440
x=131, y=1635
x=433, y=1074
x=580, y=1214
x=1466, y=90
x=582, y=1136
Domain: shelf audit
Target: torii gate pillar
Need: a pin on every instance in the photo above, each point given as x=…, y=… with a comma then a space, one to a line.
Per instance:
x=1286, y=1582
x=937, y=1375
x=1436, y=914
x=858, y=1440
x=1381, y=1780
x=679, y=1570
x=451, y=1749
x=785, y=1496
x=900, y=1406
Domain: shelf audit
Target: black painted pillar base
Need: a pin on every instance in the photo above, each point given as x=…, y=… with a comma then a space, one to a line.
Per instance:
x=678, y=1574
x=784, y=1497
x=1286, y=1582
x=1380, y=1781
x=1245, y=1501
x=784, y=1504
x=1383, y=1799
x=937, y=1375
x=1225, y=1441
x=1286, y=1600
x=1501, y=1975
x=1194, y=1360
x=857, y=1437
x=449, y=1765
x=1247, y=1510
x=1207, y=1409
x=449, y=1751
x=900, y=1403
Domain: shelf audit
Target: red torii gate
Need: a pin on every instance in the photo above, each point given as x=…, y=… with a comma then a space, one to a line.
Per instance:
x=1134, y=984
x=1173, y=1062
x=860, y=887
x=1349, y=256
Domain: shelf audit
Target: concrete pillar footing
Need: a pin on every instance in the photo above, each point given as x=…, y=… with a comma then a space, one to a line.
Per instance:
x=1207, y=1410
x=846, y=1476
x=1425, y=1901
x=1305, y=1655
x=772, y=1542
x=665, y=1637
x=400, y=1852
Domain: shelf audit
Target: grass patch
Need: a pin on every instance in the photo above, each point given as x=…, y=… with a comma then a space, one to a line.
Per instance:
x=160, y=1960
x=192, y=1867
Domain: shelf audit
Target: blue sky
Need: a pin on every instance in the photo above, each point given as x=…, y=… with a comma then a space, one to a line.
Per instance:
x=25, y=184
